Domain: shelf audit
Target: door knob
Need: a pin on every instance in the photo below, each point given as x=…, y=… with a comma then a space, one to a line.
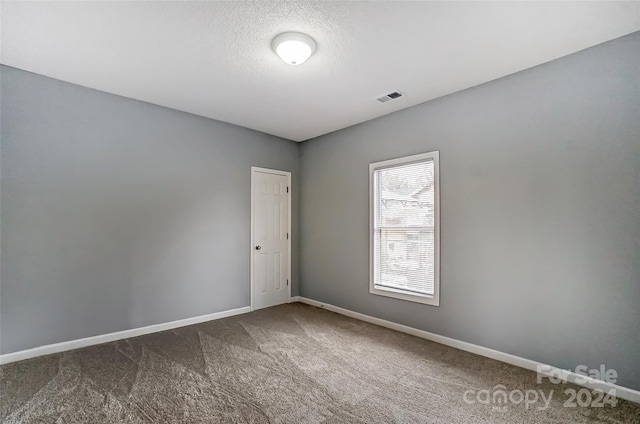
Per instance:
x=258, y=247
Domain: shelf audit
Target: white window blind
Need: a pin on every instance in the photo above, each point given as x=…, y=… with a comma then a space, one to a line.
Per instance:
x=404, y=227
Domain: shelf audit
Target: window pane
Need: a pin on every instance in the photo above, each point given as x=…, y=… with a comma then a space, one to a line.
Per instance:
x=406, y=195
x=405, y=228
x=405, y=260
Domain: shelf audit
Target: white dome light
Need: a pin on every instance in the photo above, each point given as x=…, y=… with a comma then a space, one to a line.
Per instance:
x=293, y=48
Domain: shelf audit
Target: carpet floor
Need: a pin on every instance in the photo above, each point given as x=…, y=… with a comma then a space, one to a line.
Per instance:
x=287, y=364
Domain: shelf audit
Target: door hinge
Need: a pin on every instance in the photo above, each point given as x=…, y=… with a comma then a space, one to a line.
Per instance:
x=287, y=189
x=287, y=282
x=287, y=236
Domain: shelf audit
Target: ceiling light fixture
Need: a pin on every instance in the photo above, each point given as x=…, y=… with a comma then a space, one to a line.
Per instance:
x=293, y=48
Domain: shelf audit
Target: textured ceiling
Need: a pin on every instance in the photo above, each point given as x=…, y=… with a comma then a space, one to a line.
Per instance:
x=214, y=58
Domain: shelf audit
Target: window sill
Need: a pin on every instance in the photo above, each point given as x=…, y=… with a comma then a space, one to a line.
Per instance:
x=402, y=295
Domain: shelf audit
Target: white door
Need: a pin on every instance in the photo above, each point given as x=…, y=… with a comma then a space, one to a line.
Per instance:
x=270, y=235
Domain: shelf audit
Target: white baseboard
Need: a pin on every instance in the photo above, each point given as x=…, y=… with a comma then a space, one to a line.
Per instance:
x=572, y=377
x=119, y=335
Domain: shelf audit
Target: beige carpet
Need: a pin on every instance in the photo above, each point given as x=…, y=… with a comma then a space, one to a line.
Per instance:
x=291, y=363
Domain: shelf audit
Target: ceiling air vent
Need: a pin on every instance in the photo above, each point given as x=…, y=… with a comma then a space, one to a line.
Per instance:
x=390, y=96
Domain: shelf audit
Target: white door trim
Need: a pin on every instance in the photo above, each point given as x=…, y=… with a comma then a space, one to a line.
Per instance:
x=287, y=174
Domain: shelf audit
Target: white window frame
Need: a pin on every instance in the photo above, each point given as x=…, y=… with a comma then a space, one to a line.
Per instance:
x=397, y=293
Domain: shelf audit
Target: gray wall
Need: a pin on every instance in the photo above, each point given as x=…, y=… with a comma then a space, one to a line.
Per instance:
x=540, y=206
x=118, y=214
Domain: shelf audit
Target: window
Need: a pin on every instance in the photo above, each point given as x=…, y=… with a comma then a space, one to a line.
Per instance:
x=405, y=233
